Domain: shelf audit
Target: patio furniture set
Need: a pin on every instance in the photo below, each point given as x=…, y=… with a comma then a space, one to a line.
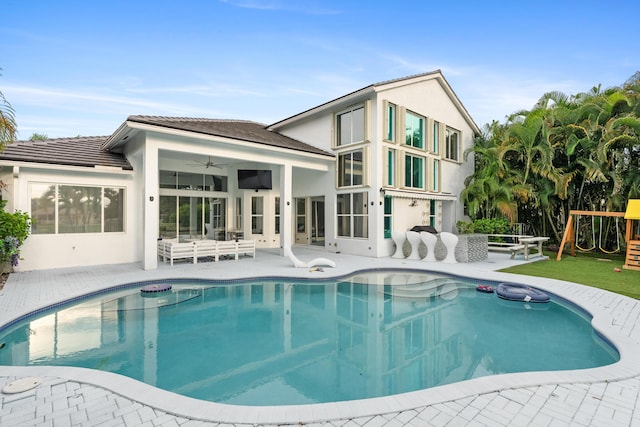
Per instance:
x=172, y=249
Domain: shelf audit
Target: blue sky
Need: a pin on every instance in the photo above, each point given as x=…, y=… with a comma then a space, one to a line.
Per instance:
x=81, y=67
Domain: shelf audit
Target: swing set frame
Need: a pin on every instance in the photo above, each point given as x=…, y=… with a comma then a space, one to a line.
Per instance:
x=570, y=234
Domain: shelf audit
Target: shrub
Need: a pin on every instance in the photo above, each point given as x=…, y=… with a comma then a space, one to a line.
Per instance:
x=484, y=226
x=14, y=230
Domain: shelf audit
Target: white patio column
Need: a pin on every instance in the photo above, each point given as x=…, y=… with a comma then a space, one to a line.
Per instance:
x=151, y=203
x=286, y=206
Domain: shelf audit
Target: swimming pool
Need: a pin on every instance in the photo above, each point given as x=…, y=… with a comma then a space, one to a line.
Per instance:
x=280, y=342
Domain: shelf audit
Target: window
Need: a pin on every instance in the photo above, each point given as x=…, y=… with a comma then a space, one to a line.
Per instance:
x=390, y=122
x=350, y=126
x=388, y=219
x=436, y=138
x=435, y=175
x=350, y=169
x=414, y=126
x=218, y=223
x=301, y=215
x=238, y=220
x=63, y=209
x=413, y=171
x=192, y=181
x=353, y=215
x=390, y=175
x=277, y=215
x=188, y=217
x=431, y=218
x=452, y=141
x=257, y=215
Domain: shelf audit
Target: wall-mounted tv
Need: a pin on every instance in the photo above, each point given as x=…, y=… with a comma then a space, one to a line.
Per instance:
x=252, y=179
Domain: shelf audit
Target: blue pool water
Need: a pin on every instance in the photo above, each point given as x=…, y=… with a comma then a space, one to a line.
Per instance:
x=276, y=342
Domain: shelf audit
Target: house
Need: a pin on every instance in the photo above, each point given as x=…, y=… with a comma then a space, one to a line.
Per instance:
x=341, y=175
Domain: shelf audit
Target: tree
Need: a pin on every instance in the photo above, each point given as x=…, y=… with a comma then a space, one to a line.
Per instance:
x=8, y=126
x=567, y=152
x=38, y=137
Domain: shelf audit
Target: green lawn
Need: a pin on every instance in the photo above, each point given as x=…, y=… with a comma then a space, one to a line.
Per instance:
x=595, y=270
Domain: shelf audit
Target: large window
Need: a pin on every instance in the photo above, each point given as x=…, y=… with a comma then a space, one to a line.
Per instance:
x=414, y=171
x=62, y=209
x=350, y=168
x=414, y=130
x=187, y=217
x=452, y=144
x=352, y=218
x=350, y=126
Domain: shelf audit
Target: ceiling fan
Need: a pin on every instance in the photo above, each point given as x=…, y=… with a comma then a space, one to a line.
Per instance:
x=208, y=164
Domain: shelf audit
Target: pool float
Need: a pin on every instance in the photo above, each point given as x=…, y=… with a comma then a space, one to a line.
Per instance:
x=484, y=288
x=515, y=292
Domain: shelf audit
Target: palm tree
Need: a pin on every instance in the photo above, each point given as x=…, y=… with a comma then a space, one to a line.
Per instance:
x=8, y=126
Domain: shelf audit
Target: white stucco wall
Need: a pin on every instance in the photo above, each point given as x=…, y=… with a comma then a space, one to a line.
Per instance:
x=44, y=251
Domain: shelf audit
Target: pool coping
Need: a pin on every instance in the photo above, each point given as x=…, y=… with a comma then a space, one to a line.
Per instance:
x=197, y=409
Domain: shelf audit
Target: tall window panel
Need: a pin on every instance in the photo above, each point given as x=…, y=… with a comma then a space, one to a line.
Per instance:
x=390, y=168
x=238, y=217
x=433, y=210
x=452, y=144
x=257, y=215
x=390, y=122
x=414, y=171
x=414, y=130
x=276, y=216
x=350, y=168
x=435, y=175
x=435, y=147
x=350, y=126
x=388, y=216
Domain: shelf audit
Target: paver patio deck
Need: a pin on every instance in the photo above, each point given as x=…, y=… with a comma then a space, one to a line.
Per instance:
x=606, y=396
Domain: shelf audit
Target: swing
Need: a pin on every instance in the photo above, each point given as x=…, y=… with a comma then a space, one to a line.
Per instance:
x=615, y=251
x=593, y=234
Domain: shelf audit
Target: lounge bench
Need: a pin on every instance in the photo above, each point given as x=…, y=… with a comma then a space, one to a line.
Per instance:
x=246, y=247
x=172, y=250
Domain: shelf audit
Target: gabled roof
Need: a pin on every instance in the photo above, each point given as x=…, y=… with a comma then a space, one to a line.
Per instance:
x=365, y=91
x=235, y=129
x=83, y=151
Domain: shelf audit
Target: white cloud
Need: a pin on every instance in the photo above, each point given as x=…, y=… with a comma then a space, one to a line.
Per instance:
x=306, y=7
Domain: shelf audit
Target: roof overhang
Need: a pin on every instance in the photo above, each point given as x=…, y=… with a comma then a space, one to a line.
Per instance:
x=378, y=87
x=633, y=209
x=98, y=169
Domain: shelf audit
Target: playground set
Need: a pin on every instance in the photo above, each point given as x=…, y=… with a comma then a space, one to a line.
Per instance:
x=632, y=234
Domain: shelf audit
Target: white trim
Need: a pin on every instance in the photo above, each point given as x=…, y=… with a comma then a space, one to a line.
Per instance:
x=49, y=166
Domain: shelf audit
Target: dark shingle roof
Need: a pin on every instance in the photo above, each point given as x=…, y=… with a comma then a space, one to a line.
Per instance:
x=80, y=151
x=235, y=129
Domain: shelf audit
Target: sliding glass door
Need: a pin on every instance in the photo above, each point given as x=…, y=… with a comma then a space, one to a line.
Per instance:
x=190, y=218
